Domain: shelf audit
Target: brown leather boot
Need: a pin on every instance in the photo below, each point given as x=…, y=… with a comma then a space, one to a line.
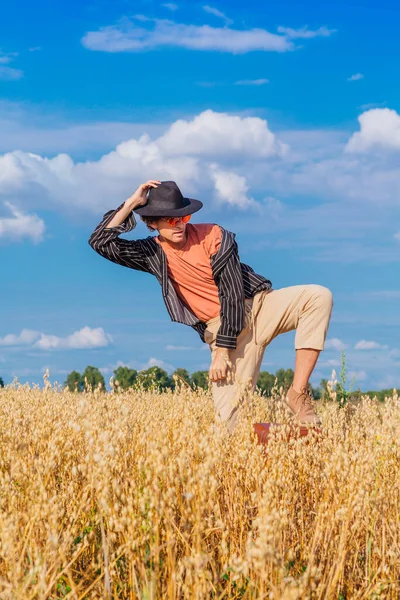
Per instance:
x=302, y=406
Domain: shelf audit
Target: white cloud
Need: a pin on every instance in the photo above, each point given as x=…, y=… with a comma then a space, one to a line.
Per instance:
x=173, y=348
x=139, y=365
x=305, y=33
x=8, y=57
x=252, y=82
x=381, y=294
x=9, y=73
x=130, y=37
x=369, y=345
x=84, y=185
x=356, y=77
x=157, y=362
x=182, y=154
x=353, y=194
x=334, y=344
x=397, y=236
x=357, y=376
x=273, y=208
x=21, y=225
x=171, y=6
x=332, y=362
x=192, y=151
x=231, y=188
x=220, y=83
x=379, y=128
x=217, y=13
x=26, y=338
x=369, y=105
x=211, y=133
x=83, y=339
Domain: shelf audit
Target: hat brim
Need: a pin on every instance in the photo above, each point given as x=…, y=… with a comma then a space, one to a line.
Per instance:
x=189, y=209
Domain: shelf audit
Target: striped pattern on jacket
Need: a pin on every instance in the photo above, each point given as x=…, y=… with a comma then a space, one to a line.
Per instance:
x=235, y=281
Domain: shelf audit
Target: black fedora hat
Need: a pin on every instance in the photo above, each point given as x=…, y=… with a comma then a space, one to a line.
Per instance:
x=166, y=200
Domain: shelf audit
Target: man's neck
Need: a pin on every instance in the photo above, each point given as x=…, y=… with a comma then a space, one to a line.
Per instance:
x=176, y=246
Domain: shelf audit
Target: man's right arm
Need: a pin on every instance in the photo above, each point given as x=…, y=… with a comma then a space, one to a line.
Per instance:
x=122, y=212
x=105, y=239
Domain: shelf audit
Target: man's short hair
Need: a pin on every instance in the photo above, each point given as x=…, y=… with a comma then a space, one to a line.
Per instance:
x=149, y=220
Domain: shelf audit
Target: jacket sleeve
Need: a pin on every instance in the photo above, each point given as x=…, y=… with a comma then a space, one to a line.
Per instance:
x=107, y=243
x=231, y=296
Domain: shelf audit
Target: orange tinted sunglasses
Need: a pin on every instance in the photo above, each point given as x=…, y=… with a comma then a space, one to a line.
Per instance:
x=175, y=220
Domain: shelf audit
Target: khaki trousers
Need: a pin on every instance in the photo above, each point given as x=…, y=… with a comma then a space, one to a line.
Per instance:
x=306, y=308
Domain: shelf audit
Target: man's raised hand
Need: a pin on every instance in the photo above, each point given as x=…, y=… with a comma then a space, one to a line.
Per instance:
x=139, y=196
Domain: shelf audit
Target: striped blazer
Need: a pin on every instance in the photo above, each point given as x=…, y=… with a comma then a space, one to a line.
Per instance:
x=235, y=281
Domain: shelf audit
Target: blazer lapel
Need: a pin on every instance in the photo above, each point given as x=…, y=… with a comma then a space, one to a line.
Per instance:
x=164, y=273
x=225, y=250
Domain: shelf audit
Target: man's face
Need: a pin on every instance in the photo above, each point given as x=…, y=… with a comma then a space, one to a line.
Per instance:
x=172, y=233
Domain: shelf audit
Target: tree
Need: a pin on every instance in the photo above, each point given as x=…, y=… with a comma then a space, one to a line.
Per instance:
x=200, y=379
x=93, y=377
x=154, y=377
x=266, y=382
x=1, y=382
x=125, y=377
x=285, y=378
x=181, y=374
x=74, y=382
x=380, y=395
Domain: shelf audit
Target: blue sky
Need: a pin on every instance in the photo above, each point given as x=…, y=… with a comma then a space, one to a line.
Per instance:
x=284, y=120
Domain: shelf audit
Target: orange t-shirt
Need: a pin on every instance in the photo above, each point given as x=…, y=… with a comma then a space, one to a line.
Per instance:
x=190, y=271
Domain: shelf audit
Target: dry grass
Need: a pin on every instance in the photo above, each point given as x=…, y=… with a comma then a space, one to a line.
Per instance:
x=137, y=495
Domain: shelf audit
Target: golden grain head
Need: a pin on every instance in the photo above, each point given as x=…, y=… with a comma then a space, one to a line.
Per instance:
x=138, y=494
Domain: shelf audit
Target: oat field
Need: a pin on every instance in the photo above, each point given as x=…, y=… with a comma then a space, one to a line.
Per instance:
x=138, y=495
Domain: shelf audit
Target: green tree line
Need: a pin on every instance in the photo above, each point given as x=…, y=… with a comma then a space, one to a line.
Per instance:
x=124, y=378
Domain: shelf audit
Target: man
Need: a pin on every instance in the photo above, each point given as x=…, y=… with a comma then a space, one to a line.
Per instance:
x=205, y=285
